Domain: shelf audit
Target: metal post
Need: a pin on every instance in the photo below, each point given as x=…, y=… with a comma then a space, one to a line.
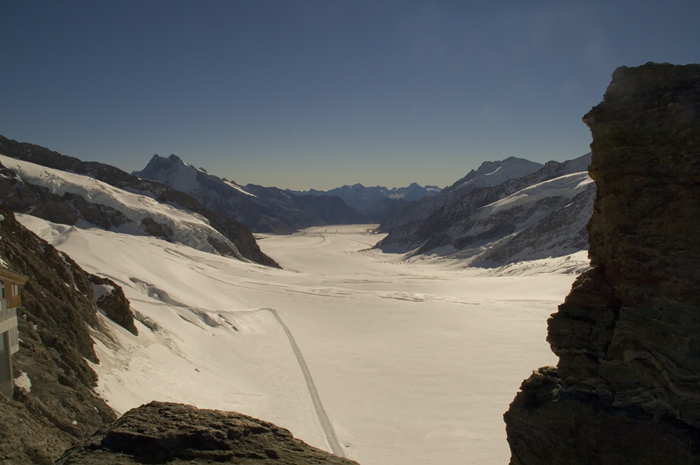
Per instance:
x=6, y=378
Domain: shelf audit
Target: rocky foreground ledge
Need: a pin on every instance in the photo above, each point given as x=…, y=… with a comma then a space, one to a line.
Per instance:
x=627, y=385
x=171, y=433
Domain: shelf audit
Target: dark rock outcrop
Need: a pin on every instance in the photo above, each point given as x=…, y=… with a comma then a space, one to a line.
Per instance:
x=69, y=208
x=57, y=318
x=626, y=387
x=175, y=433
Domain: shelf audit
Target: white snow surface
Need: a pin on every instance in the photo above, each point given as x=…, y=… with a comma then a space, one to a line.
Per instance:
x=23, y=382
x=564, y=186
x=415, y=363
x=188, y=228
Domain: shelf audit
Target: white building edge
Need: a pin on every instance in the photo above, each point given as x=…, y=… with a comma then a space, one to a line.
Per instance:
x=10, y=299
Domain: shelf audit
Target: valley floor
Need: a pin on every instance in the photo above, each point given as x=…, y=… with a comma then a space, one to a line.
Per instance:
x=412, y=362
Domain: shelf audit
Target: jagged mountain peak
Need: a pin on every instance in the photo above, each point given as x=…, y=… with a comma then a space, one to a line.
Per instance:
x=262, y=209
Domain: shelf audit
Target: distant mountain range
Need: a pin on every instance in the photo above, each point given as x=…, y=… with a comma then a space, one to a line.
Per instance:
x=67, y=190
x=376, y=203
x=503, y=212
x=262, y=209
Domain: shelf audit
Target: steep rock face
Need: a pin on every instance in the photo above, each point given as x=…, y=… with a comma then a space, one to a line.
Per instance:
x=174, y=433
x=56, y=320
x=262, y=209
x=23, y=198
x=628, y=335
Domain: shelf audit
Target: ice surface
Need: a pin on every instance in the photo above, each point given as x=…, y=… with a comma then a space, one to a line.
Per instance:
x=414, y=363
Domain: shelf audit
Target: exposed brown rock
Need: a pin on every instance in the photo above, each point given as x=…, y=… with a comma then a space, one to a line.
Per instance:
x=56, y=320
x=175, y=433
x=626, y=388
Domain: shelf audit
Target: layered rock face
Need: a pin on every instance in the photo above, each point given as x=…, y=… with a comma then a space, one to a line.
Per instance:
x=627, y=386
x=174, y=433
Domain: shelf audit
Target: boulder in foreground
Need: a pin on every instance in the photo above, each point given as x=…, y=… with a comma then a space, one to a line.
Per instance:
x=161, y=432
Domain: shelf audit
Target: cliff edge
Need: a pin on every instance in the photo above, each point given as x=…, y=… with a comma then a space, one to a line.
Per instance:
x=627, y=385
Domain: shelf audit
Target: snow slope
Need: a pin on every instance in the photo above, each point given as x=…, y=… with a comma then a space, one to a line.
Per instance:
x=413, y=362
x=187, y=227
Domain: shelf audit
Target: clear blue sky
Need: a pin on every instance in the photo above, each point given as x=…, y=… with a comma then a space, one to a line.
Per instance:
x=320, y=93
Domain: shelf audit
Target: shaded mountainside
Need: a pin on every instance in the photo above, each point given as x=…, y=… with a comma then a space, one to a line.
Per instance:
x=68, y=207
x=161, y=432
x=56, y=321
x=539, y=215
x=262, y=209
x=626, y=387
x=489, y=174
x=376, y=203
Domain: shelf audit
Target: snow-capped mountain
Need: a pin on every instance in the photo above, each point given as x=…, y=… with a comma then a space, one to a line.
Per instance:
x=490, y=173
x=132, y=213
x=109, y=198
x=376, y=203
x=535, y=216
x=262, y=209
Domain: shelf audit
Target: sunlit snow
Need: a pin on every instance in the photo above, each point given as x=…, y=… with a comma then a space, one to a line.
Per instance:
x=414, y=363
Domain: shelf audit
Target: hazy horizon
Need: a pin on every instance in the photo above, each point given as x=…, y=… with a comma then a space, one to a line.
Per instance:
x=315, y=94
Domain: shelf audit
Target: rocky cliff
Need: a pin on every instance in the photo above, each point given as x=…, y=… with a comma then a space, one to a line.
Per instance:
x=54, y=404
x=174, y=433
x=626, y=387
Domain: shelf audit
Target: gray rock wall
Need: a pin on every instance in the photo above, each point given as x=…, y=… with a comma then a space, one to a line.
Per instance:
x=626, y=387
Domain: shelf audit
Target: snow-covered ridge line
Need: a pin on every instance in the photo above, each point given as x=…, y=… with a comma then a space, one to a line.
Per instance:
x=186, y=227
x=564, y=186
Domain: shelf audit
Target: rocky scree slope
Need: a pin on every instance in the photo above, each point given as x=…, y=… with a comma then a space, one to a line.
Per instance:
x=626, y=387
x=68, y=208
x=57, y=320
x=539, y=215
x=262, y=209
x=161, y=432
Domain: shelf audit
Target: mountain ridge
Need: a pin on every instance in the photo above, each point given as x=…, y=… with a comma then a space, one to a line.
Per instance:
x=514, y=228
x=234, y=231
x=262, y=209
x=377, y=203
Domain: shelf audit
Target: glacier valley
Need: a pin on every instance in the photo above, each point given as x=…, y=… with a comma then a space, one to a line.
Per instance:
x=391, y=361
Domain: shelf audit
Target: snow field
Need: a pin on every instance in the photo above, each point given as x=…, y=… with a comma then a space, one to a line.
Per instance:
x=415, y=363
